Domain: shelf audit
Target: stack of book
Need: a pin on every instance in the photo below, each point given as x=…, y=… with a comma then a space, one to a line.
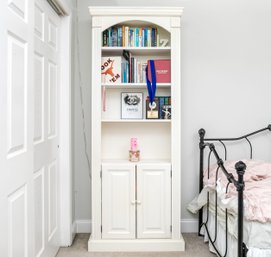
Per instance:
x=125, y=36
x=132, y=70
x=126, y=69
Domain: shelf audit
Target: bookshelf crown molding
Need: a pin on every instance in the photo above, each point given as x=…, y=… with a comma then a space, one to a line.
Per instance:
x=136, y=11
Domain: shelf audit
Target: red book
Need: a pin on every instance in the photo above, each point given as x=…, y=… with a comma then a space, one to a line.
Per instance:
x=162, y=70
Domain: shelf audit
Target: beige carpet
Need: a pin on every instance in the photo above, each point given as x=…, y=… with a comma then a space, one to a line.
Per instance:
x=195, y=247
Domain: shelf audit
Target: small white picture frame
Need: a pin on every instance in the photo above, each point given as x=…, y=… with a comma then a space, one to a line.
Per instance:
x=131, y=105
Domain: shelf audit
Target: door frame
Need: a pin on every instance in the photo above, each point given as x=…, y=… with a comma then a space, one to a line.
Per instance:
x=65, y=140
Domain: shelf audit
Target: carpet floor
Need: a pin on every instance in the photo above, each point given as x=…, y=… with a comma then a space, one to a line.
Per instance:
x=194, y=247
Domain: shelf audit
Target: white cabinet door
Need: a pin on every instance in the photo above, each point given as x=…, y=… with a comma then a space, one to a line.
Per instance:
x=153, y=200
x=118, y=201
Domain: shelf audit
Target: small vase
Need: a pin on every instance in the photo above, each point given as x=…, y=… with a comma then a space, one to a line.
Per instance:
x=134, y=156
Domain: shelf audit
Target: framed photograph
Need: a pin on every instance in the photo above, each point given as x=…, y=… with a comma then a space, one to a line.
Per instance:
x=166, y=112
x=131, y=105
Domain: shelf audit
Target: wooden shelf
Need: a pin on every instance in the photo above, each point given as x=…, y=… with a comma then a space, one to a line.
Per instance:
x=135, y=85
x=137, y=121
x=138, y=50
x=124, y=161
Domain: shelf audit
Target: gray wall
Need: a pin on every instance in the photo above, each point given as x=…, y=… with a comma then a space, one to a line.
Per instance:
x=226, y=81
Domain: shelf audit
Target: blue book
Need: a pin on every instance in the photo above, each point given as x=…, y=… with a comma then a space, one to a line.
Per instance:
x=161, y=103
x=146, y=37
x=114, y=37
x=109, y=37
x=136, y=37
x=119, y=36
x=152, y=36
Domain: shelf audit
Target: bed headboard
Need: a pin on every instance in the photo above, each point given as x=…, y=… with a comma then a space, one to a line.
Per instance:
x=222, y=140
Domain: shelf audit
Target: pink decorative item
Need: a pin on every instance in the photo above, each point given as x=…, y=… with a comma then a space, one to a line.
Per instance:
x=133, y=144
x=134, y=154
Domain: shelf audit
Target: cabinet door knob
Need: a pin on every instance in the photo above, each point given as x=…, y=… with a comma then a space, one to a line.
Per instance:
x=138, y=202
x=133, y=202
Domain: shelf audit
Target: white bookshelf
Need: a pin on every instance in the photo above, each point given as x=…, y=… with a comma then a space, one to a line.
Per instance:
x=135, y=226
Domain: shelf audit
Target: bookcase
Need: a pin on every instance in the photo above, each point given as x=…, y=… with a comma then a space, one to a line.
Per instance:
x=136, y=206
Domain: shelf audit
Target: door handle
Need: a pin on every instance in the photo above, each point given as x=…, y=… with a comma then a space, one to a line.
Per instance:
x=135, y=202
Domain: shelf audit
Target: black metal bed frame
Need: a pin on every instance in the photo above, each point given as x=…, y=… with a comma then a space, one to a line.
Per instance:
x=238, y=183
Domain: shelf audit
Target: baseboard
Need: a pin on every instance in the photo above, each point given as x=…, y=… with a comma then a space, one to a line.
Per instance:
x=142, y=245
x=83, y=226
x=189, y=225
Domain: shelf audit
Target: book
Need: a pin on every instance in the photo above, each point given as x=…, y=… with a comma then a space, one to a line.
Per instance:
x=119, y=36
x=161, y=104
x=162, y=71
x=111, y=69
x=105, y=38
x=152, y=110
x=114, y=38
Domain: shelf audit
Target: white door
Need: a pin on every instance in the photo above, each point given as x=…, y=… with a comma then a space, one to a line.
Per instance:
x=118, y=201
x=46, y=108
x=16, y=128
x=154, y=200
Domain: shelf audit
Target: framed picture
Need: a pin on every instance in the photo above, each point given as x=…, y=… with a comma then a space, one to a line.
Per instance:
x=131, y=105
x=166, y=112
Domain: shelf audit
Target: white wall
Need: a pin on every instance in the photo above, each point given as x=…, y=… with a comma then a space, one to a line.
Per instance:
x=226, y=82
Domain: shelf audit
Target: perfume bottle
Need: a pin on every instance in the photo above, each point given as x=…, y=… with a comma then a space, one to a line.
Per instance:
x=134, y=154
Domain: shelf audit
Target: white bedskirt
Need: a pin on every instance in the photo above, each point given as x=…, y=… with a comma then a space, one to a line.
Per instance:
x=261, y=239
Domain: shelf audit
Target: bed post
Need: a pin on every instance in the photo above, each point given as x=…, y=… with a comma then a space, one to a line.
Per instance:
x=201, y=147
x=240, y=168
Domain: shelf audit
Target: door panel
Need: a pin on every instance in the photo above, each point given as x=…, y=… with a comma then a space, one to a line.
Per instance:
x=16, y=112
x=118, y=201
x=16, y=129
x=39, y=221
x=45, y=138
x=153, y=200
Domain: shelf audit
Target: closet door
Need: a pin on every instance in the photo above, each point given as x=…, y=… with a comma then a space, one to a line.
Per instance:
x=154, y=200
x=118, y=201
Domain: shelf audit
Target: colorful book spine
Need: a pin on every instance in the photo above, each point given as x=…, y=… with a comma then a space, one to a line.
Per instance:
x=109, y=37
x=136, y=37
x=124, y=36
x=114, y=38
x=119, y=36
x=140, y=37
x=152, y=36
x=105, y=38
x=161, y=104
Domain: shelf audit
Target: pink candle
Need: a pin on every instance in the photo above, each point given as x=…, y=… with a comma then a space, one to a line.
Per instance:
x=133, y=144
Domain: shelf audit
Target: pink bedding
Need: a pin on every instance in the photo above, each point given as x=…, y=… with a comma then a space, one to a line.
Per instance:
x=257, y=193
